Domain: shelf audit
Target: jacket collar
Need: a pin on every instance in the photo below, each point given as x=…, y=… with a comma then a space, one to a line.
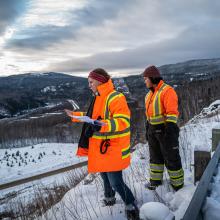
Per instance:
x=159, y=85
x=105, y=88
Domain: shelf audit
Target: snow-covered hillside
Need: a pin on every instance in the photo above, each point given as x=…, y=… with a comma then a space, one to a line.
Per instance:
x=84, y=200
x=206, y=113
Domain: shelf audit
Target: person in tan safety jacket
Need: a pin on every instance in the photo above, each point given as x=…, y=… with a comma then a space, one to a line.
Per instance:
x=107, y=141
x=162, y=132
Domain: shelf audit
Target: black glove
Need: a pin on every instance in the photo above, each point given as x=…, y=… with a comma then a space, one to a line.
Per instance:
x=92, y=128
x=96, y=126
x=171, y=134
x=171, y=128
x=147, y=127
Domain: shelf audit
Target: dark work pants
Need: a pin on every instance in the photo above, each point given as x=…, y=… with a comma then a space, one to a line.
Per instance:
x=164, y=148
x=113, y=181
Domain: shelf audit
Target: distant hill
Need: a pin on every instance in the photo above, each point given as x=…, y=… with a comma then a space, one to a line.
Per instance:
x=21, y=93
x=191, y=70
x=31, y=105
x=206, y=66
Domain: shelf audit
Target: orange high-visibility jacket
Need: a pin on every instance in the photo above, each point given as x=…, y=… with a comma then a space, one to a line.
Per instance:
x=161, y=105
x=113, y=109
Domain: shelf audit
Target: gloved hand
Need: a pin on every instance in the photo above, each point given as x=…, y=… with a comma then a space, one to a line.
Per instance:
x=172, y=134
x=96, y=126
x=92, y=128
x=147, y=127
x=171, y=128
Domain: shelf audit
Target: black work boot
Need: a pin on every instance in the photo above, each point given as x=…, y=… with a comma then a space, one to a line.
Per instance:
x=132, y=212
x=152, y=186
x=110, y=201
x=176, y=188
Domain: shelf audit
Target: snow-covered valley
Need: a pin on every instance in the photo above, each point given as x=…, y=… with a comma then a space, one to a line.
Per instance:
x=84, y=200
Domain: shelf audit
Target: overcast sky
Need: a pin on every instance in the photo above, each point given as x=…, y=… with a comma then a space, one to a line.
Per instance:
x=122, y=36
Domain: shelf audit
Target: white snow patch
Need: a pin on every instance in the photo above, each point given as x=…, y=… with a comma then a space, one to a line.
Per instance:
x=155, y=211
x=48, y=89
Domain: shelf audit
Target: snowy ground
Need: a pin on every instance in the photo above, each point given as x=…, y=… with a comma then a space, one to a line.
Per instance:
x=84, y=201
x=17, y=163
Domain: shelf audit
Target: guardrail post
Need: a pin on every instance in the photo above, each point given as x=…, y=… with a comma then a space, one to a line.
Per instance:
x=215, y=138
x=201, y=160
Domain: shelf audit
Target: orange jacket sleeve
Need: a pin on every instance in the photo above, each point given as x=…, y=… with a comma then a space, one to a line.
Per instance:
x=170, y=103
x=77, y=114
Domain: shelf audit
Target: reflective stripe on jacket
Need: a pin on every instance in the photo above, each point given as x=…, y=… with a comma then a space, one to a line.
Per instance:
x=162, y=104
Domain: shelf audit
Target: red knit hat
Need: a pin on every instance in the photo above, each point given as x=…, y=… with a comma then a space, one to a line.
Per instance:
x=100, y=75
x=151, y=71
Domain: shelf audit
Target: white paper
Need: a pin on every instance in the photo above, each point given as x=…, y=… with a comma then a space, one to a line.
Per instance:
x=89, y=120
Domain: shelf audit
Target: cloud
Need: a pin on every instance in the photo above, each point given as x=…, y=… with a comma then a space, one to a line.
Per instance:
x=38, y=38
x=9, y=10
x=193, y=43
x=94, y=13
x=120, y=35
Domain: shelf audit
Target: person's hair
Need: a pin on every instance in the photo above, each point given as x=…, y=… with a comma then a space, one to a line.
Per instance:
x=155, y=80
x=102, y=72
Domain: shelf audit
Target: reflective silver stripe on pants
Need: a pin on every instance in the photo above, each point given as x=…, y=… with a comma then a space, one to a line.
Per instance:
x=176, y=174
x=156, y=167
x=177, y=182
x=156, y=176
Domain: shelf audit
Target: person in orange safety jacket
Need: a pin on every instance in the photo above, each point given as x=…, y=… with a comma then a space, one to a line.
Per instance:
x=162, y=132
x=107, y=141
